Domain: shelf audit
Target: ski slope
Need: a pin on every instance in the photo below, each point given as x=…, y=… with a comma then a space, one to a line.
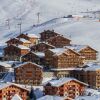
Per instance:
x=83, y=31
x=25, y=12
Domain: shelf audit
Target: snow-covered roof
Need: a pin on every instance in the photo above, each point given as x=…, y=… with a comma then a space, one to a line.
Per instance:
x=21, y=39
x=5, y=64
x=40, y=54
x=16, y=97
x=95, y=97
x=61, y=81
x=76, y=47
x=22, y=47
x=47, y=44
x=65, y=69
x=59, y=51
x=92, y=67
x=24, y=40
x=92, y=91
x=49, y=97
x=7, y=84
x=32, y=35
x=20, y=65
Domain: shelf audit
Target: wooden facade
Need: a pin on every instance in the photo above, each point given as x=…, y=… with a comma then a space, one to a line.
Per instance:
x=47, y=34
x=84, y=50
x=34, y=57
x=7, y=92
x=71, y=89
x=89, y=53
x=41, y=47
x=13, y=52
x=16, y=41
x=28, y=73
x=60, y=73
x=31, y=37
x=91, y=77
x=59, y=41
x=66, y=59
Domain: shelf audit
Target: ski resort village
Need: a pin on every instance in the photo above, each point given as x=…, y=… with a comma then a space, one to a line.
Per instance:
x=48, y=67
x=49, y=50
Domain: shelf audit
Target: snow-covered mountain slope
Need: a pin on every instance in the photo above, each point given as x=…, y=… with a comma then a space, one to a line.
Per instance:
x=84, y=31
x=53, y=8
x=27, y=10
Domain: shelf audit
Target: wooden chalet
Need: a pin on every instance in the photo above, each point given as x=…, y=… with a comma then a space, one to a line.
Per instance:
x=66, y=87
x=47, y=34
x=37, y=57
x=59, y=41
x=28, y=73
x=41, y=47
x=62, y=58
x=84, y=50
x=90, y=74
x=14, y=41
x=64, y=72
x=14, y=52
x=19, y=41
x=8, y=90
x=30, y=37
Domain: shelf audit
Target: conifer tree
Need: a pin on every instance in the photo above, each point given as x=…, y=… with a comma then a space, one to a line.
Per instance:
x=32, y=95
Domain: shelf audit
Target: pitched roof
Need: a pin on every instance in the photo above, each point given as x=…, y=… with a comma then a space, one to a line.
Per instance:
x=65, y=69
x=20, y=65
x=16, y=97
x=11, y=39
x=21, y=39
x=59, y=51
x=5, y=64
x=5, y=85
x=39, y=54
x=47, y=44
x=78, y=48
x=59, y=36
x=24, y=40
x=92, y=67
x=21, y=47
x=61, y=81
x=32, y=35
x=29, y=35
x=49, y=97
x=93, y=97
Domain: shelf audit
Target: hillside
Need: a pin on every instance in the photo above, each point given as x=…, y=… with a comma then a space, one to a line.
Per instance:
x=84, y=31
